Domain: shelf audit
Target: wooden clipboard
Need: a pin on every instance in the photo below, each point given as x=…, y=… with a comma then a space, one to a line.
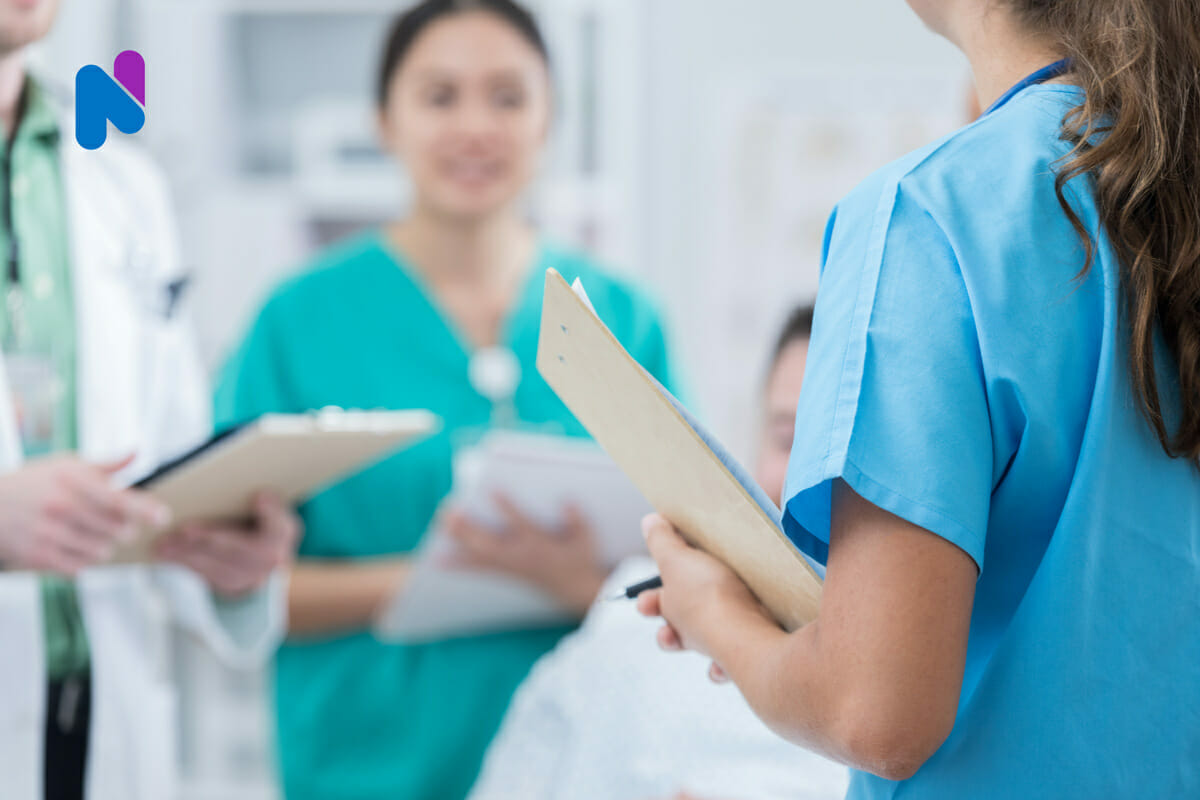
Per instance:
x=625, y=412
x=292, y=455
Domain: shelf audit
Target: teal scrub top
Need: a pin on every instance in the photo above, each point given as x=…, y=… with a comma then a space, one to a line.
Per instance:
x=961, y=378
x=358, y=718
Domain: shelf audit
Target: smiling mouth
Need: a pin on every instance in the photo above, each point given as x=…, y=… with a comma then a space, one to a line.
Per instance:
x=473, y=172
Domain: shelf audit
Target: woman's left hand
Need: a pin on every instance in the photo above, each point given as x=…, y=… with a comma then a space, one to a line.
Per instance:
x=700, y=597
x=237, y=559
x=563, y=562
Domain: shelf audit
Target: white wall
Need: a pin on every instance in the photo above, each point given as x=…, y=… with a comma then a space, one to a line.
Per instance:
x=705, y=71
x=705, y=60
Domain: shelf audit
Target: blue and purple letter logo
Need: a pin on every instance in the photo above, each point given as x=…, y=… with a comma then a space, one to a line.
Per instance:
x=100, y=99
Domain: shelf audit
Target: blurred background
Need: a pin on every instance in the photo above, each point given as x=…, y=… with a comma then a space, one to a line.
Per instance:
x=698, y=145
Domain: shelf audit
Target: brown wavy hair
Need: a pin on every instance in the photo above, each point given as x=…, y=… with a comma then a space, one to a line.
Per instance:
x=1136, y=138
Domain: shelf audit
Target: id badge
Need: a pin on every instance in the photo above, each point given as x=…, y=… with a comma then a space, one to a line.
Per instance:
x=37, y=394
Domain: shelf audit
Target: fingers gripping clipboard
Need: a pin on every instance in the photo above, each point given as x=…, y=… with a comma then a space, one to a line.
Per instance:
x=632, y=418
x=291, y=455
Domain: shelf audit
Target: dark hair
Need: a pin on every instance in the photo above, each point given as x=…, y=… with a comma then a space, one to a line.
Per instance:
x=1136, y=138
x=408, y=27
x=797, y=328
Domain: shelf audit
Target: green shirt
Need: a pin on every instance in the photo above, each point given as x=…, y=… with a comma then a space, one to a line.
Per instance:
x=358, y=718
x=40, y=225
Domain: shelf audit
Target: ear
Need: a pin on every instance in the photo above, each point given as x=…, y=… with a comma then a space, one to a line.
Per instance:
x=384, y=130
x=551, y=112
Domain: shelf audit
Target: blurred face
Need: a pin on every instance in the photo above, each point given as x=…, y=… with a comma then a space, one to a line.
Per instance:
x=23, y=22
x=783, y=392
x=468, y=112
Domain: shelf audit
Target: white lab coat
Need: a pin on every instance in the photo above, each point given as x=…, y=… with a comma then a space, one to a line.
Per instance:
x=141, y=389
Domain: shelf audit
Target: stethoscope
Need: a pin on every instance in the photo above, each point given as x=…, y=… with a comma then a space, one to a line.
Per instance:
x=494, y=372
x=1049, y=73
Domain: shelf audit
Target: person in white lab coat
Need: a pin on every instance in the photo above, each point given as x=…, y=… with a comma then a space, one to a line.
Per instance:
x=100, y=382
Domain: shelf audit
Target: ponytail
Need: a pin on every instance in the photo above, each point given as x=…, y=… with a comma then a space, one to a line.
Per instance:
x=1137, y=138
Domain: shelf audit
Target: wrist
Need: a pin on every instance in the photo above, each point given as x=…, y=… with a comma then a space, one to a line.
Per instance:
x=577, y=591
x=385, y=577
x=739, y=638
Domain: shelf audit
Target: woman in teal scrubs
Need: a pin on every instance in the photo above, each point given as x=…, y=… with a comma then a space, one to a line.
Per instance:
x=998, y=454
x=395, y=319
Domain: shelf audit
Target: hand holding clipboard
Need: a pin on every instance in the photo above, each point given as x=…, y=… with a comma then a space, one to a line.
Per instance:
x=290, y=456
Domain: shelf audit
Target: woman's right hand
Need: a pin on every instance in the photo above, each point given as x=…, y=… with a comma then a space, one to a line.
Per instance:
x=61, y=514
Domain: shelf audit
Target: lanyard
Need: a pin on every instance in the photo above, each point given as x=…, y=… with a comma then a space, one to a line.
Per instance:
x=1044, y=74
x=14, y=302
x=14, y=262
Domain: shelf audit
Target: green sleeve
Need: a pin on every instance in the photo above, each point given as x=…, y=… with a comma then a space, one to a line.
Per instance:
x=250, y=384
x=253, y=381
x=654, y=353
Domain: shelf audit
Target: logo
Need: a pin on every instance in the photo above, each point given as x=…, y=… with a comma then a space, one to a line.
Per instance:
x=100, y=99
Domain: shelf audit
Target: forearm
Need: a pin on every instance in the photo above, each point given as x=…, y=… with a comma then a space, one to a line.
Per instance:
x=845, y=702
x=782, y=679
x=329, y=597
x=241, y=632
x=875, y=681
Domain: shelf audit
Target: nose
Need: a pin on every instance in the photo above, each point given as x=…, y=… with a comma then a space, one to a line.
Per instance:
x=476, y=119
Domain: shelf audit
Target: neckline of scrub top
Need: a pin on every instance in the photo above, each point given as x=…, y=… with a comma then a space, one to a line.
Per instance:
x=529, y=283
x=1035, y=78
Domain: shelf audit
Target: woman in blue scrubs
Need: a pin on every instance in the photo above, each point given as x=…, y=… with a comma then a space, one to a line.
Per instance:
x=999, y=454
x=406, y=317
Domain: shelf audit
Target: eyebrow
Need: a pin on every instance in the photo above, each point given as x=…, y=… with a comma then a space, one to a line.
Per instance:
x=434, y=74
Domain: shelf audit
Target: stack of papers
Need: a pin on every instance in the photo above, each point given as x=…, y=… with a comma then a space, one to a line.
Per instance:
x=542, y=475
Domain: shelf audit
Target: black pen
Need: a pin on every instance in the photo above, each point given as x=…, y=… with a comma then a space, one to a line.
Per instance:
x=631, y=592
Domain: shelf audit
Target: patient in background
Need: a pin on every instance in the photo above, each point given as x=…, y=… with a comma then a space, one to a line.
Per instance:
x=608, y=716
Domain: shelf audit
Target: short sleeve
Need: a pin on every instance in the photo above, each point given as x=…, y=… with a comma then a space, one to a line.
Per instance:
x=252, y=381
x=894, y=396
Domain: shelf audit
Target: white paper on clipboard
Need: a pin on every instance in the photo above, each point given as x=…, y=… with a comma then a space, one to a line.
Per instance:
x=542, y=475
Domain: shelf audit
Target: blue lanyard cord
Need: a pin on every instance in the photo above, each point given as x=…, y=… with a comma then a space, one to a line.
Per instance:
x=1044, y=74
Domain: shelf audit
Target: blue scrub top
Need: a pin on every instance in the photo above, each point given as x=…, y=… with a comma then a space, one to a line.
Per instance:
x=961, y=378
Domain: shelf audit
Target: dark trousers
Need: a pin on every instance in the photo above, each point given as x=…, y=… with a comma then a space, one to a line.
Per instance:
x=68, y=712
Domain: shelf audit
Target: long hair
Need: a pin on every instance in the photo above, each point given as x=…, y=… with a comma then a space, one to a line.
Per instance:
x=1136, y=138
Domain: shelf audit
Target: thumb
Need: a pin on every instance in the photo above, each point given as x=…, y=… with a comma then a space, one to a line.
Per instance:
x=716, y=674
x=576, y=523
x=662, y=540
x=111, y=468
